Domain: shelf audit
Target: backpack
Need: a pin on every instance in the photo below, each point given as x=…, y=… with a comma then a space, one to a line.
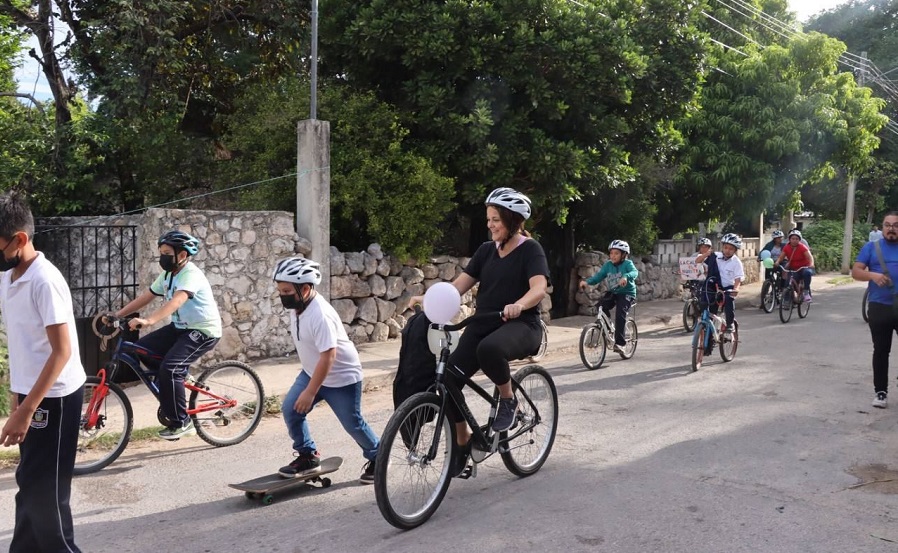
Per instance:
x=417, y=364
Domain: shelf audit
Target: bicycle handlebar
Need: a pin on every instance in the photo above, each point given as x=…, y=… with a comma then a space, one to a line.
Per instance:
x=461, y=324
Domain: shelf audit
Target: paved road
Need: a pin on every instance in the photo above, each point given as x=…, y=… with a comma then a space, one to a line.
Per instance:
x=752, y=455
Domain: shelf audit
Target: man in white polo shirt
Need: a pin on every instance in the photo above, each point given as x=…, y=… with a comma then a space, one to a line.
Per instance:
x=47, y=381
x=725, y=268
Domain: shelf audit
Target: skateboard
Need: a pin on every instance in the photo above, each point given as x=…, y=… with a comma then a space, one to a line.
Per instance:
x=263, y=487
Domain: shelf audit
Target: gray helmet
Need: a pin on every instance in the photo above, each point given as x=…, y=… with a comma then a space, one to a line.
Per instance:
x=732, y=239
x=509, y=198
x=777, y=234
x=795, y=232
x=298, y=270
x=180, y=241
x=704, y=242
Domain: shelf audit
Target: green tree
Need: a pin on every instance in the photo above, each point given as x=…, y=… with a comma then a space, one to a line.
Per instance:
x=380, y=190
x=786, y=117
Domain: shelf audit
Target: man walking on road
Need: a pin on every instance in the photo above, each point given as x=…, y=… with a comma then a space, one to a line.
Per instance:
x=875, y=263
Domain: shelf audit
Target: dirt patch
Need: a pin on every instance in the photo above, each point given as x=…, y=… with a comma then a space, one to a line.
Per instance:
x=876, y=478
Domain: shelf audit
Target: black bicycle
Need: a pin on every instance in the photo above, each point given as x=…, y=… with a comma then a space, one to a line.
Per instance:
x=691, y=306
x=772, y=290
x=417, y=448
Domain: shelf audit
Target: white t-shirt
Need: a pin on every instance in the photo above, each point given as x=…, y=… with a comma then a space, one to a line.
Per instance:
x=730, y=269
x=38, y=299
x=319, y=329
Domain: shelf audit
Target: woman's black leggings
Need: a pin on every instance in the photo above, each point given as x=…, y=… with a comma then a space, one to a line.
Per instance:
x=489, y=345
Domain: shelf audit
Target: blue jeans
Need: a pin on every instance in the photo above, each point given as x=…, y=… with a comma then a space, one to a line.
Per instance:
x=346, y=403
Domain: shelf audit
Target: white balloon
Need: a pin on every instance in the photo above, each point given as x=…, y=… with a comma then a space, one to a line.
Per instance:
x=441, y=302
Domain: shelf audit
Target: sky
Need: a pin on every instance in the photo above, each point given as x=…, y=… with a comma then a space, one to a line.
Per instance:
x=31, y=81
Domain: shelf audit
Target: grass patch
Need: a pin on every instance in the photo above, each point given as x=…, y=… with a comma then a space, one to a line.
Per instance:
x=9, y=458
x=839, y=281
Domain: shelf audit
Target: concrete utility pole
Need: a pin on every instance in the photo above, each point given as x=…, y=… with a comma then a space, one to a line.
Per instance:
x=849, y=200
x=313, y=179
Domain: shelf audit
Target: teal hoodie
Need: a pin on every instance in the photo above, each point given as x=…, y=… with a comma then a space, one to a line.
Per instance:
x=614, y=273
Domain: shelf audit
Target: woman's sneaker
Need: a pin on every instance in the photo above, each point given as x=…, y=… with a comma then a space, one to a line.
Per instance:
x=303, y=463
x=506, y=415
x=178, y=432
x=881, y=400
x=367, y=476
x=460, y=459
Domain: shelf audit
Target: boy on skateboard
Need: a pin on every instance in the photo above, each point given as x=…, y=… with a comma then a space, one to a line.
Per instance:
x=331, y=369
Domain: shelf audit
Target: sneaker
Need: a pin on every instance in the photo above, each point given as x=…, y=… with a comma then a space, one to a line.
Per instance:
x=807, y=297
x=460, y=459
x=178, y=432
x=303, y=463
x=367, y=476
x=728, y=334
x=881, y=400
x=506, y=415
x=618, y=349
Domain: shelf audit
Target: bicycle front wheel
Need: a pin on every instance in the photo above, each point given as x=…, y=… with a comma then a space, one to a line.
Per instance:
x=728, y=345
x=768, y=297
x=592, y=346
x=532, y=440
x=698, y=346
x=229, y=404
x=786, y=305
x=631, y=334
x=690, y=315
x=410, y=480
x=102, y=440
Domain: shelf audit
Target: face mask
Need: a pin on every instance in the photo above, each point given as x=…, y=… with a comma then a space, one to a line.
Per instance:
x=8, y=264
x=167, y=262
x=291, y=302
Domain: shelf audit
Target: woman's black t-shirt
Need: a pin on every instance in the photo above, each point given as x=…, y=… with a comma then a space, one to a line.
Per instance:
x=505, y=280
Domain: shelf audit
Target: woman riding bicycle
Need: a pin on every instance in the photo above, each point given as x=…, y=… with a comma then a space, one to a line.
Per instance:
x=800, y=260
x=195, y=325
x=513, y=275
x=621, y=274
x=775, y=247
x=724, y=269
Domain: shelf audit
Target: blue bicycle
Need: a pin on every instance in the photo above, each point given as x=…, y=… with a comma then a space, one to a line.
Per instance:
x=709, y=332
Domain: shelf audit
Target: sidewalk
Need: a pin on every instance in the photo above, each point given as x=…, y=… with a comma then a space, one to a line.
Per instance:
x=380, y=359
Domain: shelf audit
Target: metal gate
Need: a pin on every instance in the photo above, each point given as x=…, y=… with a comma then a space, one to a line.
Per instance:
x=99, y=262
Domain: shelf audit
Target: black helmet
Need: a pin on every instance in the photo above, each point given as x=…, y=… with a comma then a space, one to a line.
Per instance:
x=180, y=241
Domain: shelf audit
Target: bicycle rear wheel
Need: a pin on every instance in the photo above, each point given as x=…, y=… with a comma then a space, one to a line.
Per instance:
x=230, y=405
x=528, y=450
x=698, y=346
x=786, y=304
x=803, y=306
x=631, y=334
x=101, y=443
x=690, y=315
x=728, y=346
x=543, y=344
x=592, y=346
x=409, y=485
x=768, y=297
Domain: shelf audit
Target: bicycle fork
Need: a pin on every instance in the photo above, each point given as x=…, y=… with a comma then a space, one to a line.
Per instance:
x=94, y=419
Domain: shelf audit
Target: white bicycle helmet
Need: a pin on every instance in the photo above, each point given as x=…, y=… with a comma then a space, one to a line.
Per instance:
x=510, y=198
x=298, y=270
x=795, y=232
x=732, y=239
x=619, y=245
x=777, y=234
x=704, y=242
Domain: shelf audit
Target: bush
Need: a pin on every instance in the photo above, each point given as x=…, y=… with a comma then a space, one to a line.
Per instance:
x=825, y=238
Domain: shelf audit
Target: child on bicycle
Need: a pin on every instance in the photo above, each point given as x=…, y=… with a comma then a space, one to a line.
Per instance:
x=331, y=369
x=775, y=247
x=800, y=260
x=620, y=274
x=724, y=269
x=46, y=379
x=195, y=325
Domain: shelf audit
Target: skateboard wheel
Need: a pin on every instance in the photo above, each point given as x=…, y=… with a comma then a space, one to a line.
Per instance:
x=267, y=499
x=325, y=482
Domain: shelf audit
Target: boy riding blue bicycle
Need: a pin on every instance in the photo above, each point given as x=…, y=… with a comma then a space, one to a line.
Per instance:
x=726, y=271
